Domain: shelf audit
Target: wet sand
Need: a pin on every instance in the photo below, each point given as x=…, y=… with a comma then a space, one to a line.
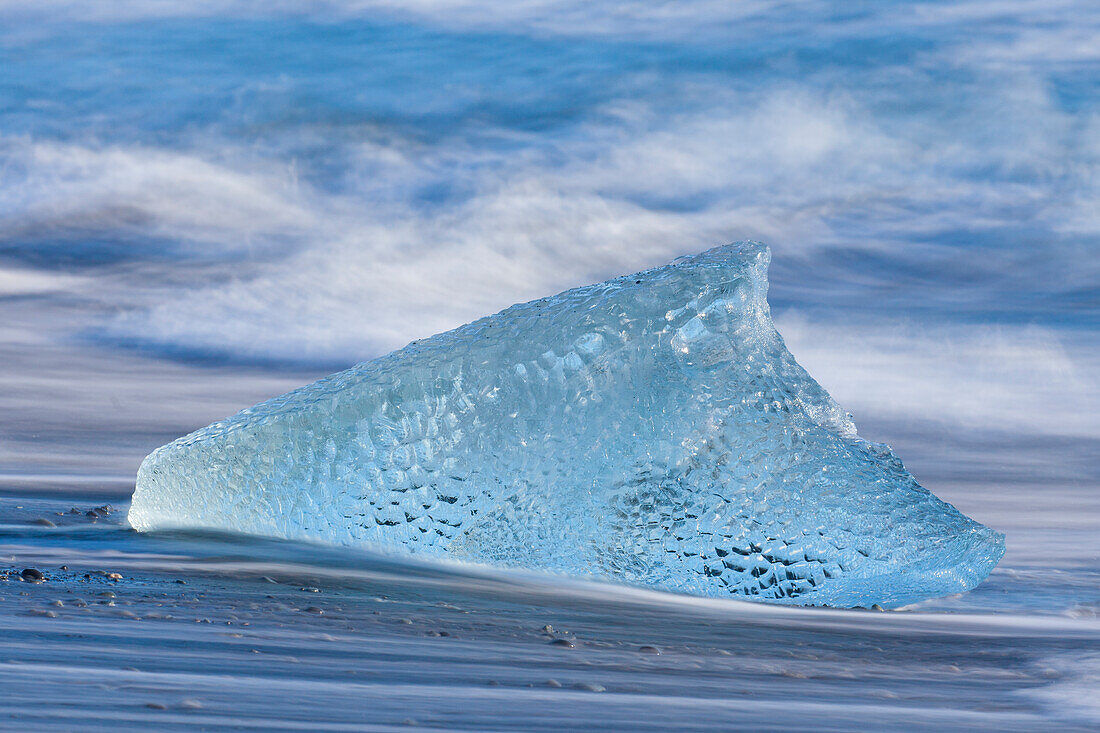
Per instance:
x=221, y=632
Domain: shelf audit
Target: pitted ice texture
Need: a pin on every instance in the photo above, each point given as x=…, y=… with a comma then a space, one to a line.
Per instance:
x=652, y=429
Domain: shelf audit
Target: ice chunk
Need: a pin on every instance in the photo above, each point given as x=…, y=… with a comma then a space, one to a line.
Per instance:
x=652, y=428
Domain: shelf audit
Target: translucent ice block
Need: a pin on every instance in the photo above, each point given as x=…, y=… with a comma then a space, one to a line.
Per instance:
x=652, y=429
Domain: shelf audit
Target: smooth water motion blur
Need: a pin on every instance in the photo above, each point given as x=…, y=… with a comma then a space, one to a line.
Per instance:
x=652, y=428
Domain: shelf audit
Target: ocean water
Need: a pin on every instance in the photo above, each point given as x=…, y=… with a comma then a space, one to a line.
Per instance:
x=204, y=205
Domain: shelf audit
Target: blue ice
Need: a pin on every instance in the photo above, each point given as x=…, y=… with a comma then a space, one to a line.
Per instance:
x=651, y=429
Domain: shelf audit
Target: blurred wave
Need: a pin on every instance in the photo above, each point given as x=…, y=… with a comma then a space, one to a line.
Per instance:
x=256, y=195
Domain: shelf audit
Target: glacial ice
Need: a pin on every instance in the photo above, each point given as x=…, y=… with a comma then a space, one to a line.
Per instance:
x=652, y=429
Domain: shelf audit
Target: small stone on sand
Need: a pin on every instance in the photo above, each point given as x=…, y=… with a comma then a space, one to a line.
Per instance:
x=589, y=687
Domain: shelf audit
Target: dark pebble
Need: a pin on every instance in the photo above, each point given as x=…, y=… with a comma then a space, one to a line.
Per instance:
x=156, y=706
x=313, y=609
x=32, y=575
x=181, y=582
x=91, y=515
x=563, y=642
x=553, y=683
x=43, y=522
x=647, y=649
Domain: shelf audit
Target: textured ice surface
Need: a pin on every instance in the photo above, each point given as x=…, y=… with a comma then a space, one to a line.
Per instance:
x=652, y=428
